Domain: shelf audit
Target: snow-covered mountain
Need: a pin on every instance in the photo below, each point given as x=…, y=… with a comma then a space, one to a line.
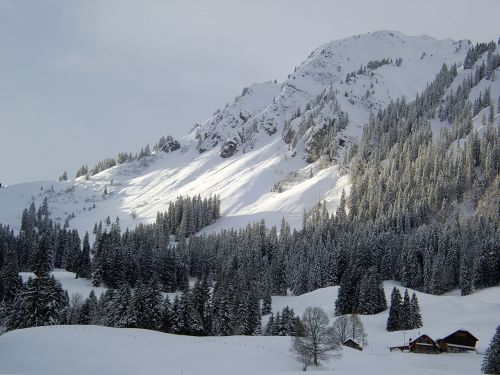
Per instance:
x=272, y=153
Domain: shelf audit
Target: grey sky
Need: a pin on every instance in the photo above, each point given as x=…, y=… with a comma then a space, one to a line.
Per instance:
x=83, y=80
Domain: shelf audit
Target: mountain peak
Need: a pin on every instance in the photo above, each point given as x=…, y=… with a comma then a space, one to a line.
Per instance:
x=398, y=65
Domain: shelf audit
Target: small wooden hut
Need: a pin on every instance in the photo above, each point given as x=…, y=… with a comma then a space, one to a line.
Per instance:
x=352, y=344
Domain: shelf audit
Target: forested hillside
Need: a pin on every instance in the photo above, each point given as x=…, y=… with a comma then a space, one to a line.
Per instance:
x=422, y=210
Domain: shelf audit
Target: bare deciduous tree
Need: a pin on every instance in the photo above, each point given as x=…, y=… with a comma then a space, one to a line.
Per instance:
x=348, y=327
x=73, y=309
x=317, y=342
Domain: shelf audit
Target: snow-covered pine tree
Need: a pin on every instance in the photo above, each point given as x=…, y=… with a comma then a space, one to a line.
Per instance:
x=97, y=265
x=344, y=303
x=252, y=320
x=395, y=310
x=201, y=301
x=223, y=309
x=270, y=327
x=416, y=317
x=371, y=297
x=491, y=361
x=43, y=257
x=148, y=306
x=167, y=318
x=84, y=263
x=486, y=268
x=9, y=277
x=121, y=313
x=465, y=278
x=88, y=312
x=406, y=312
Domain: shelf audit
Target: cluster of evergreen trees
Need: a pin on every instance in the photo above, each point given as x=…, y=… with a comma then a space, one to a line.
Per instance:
x=165, y=144
x=474, y=53
x=38, y=231
x=117, y=260
x=40, y=301
x=120, y=259
x=370, y=66
x=405, y=179
x=484, y=100
x=360, y=292
x=195, y=311
x=404, y=314
x=124, y=258
x=285, y=323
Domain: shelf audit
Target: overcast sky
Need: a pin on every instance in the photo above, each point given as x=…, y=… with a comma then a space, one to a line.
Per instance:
x=83, y=80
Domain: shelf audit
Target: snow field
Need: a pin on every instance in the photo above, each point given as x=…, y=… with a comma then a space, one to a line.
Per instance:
x=101, y=350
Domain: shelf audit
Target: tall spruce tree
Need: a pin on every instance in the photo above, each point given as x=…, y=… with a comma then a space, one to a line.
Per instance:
x=395, y=311
x=416, y=317
x=88, y=312
x=406, y=311
x=167, y=318
x=345, y=302
x=371, y=297
x=43, y=256
x=121, y=313
x=491, y=361
x=10, y=282
x=148, y=306
x=84, y=263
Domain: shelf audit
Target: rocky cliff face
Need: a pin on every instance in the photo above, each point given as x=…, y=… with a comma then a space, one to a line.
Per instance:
x=329, y=97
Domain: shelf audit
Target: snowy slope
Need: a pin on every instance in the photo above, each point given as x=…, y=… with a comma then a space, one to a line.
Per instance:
x=255, y=125
x=69, y=283
x=99, y=350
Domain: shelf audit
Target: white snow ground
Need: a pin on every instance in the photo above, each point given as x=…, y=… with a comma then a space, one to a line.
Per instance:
x=97, y=350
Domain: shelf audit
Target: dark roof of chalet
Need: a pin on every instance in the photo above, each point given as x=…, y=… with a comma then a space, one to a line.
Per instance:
x=351, y=340
x=460, y=330
x=424, y=335
x=407, y=346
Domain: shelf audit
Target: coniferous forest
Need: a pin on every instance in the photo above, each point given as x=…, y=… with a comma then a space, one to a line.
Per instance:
x=422, y=210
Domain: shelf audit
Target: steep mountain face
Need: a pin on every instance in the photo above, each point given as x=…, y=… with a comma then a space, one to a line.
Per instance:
x=382, y=66
x=274, y=152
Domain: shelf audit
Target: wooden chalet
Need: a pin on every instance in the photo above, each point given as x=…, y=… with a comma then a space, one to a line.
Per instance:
x=422, y=344
x=352, y=344
x=458, y=342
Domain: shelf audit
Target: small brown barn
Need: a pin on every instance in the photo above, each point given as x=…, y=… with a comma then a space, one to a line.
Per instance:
x=423, y=344
x=352, y=344
x=458, y=342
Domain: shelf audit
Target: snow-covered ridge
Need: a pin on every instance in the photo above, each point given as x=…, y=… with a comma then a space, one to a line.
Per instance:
x=326, y=69
x=250, y=134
